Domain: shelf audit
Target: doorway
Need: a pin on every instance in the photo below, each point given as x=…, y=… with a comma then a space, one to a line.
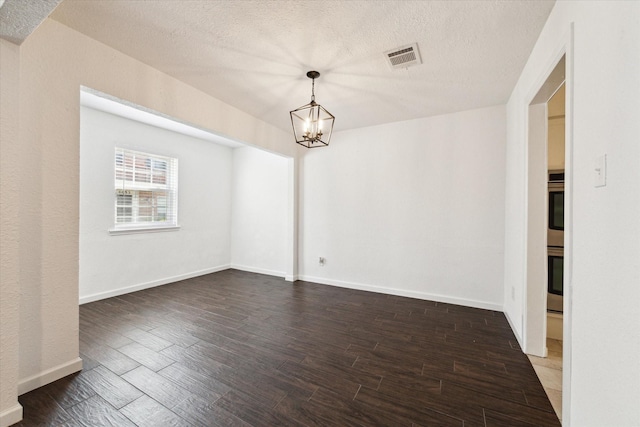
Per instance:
x=548, y=164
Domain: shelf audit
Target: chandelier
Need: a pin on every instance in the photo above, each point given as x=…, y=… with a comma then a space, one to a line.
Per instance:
x=312, y=123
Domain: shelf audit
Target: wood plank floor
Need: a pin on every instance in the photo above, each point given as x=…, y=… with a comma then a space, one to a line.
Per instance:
x=243, y=349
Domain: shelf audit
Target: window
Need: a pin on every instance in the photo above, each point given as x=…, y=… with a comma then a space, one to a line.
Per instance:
x=146, y=191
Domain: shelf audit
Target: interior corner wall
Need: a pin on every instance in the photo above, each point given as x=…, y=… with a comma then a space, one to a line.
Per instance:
x=10, y=409
x=260, y=193
x=116, y=264
x=412, y=208
x=603, y=382
x=55, y=61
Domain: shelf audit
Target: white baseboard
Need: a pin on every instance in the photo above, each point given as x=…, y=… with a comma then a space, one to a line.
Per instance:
x=141, y=286
x=258, y=270
x=514, y=330
x=290, y=278
x=49, y=376
x=554, y=326
x=11, y=416
x=404, y=293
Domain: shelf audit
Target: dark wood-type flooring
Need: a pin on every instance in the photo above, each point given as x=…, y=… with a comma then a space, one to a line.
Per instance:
x=243, y=349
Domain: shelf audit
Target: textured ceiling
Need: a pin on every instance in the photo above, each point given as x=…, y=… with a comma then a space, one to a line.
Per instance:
x=254, y=54
x=19, y=18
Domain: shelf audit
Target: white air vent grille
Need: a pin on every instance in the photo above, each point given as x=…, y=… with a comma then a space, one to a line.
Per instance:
x=403, y=57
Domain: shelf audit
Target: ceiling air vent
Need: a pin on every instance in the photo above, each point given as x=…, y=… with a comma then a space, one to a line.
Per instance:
x=404, y=57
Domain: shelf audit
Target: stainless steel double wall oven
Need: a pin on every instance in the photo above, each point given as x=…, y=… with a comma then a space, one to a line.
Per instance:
x=555, y=241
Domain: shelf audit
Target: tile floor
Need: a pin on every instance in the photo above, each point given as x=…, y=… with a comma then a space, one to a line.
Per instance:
x=234, y=348
x=549, y=372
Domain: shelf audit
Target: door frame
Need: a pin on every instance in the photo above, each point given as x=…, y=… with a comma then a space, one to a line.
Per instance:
x=534, y=307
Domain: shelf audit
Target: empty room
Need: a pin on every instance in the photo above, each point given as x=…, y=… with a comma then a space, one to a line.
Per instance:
x=319, y=213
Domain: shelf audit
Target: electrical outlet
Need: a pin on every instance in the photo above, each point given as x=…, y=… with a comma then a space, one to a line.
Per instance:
x=322, y=261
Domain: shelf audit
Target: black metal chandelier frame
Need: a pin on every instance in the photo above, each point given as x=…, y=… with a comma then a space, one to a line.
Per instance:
x=312, y=123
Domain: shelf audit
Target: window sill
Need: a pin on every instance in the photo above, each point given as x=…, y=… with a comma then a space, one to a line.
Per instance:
x=142, y=229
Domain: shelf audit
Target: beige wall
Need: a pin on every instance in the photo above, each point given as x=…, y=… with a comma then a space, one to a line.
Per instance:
x=555, y=130
x=10, y=410
x=42, y=217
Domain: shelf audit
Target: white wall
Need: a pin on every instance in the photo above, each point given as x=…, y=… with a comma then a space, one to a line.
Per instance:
x=412, y=208
x=537, y=192
x=10, y=409
x=115, y=264
x=260, y=192
x=603, y=382
x=54, y=62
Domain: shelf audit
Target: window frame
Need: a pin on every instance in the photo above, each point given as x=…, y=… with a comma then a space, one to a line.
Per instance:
x=138, y=166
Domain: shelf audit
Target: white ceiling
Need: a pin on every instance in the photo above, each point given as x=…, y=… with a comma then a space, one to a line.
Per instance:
x=253, y=54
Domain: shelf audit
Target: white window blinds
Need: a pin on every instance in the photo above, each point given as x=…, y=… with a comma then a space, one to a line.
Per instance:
x=146, y=190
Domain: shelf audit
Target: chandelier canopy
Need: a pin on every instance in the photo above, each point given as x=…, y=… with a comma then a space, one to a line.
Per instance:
x=312, y=123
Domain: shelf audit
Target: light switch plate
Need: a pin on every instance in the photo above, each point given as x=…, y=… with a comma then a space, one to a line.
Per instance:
x=600, y=170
